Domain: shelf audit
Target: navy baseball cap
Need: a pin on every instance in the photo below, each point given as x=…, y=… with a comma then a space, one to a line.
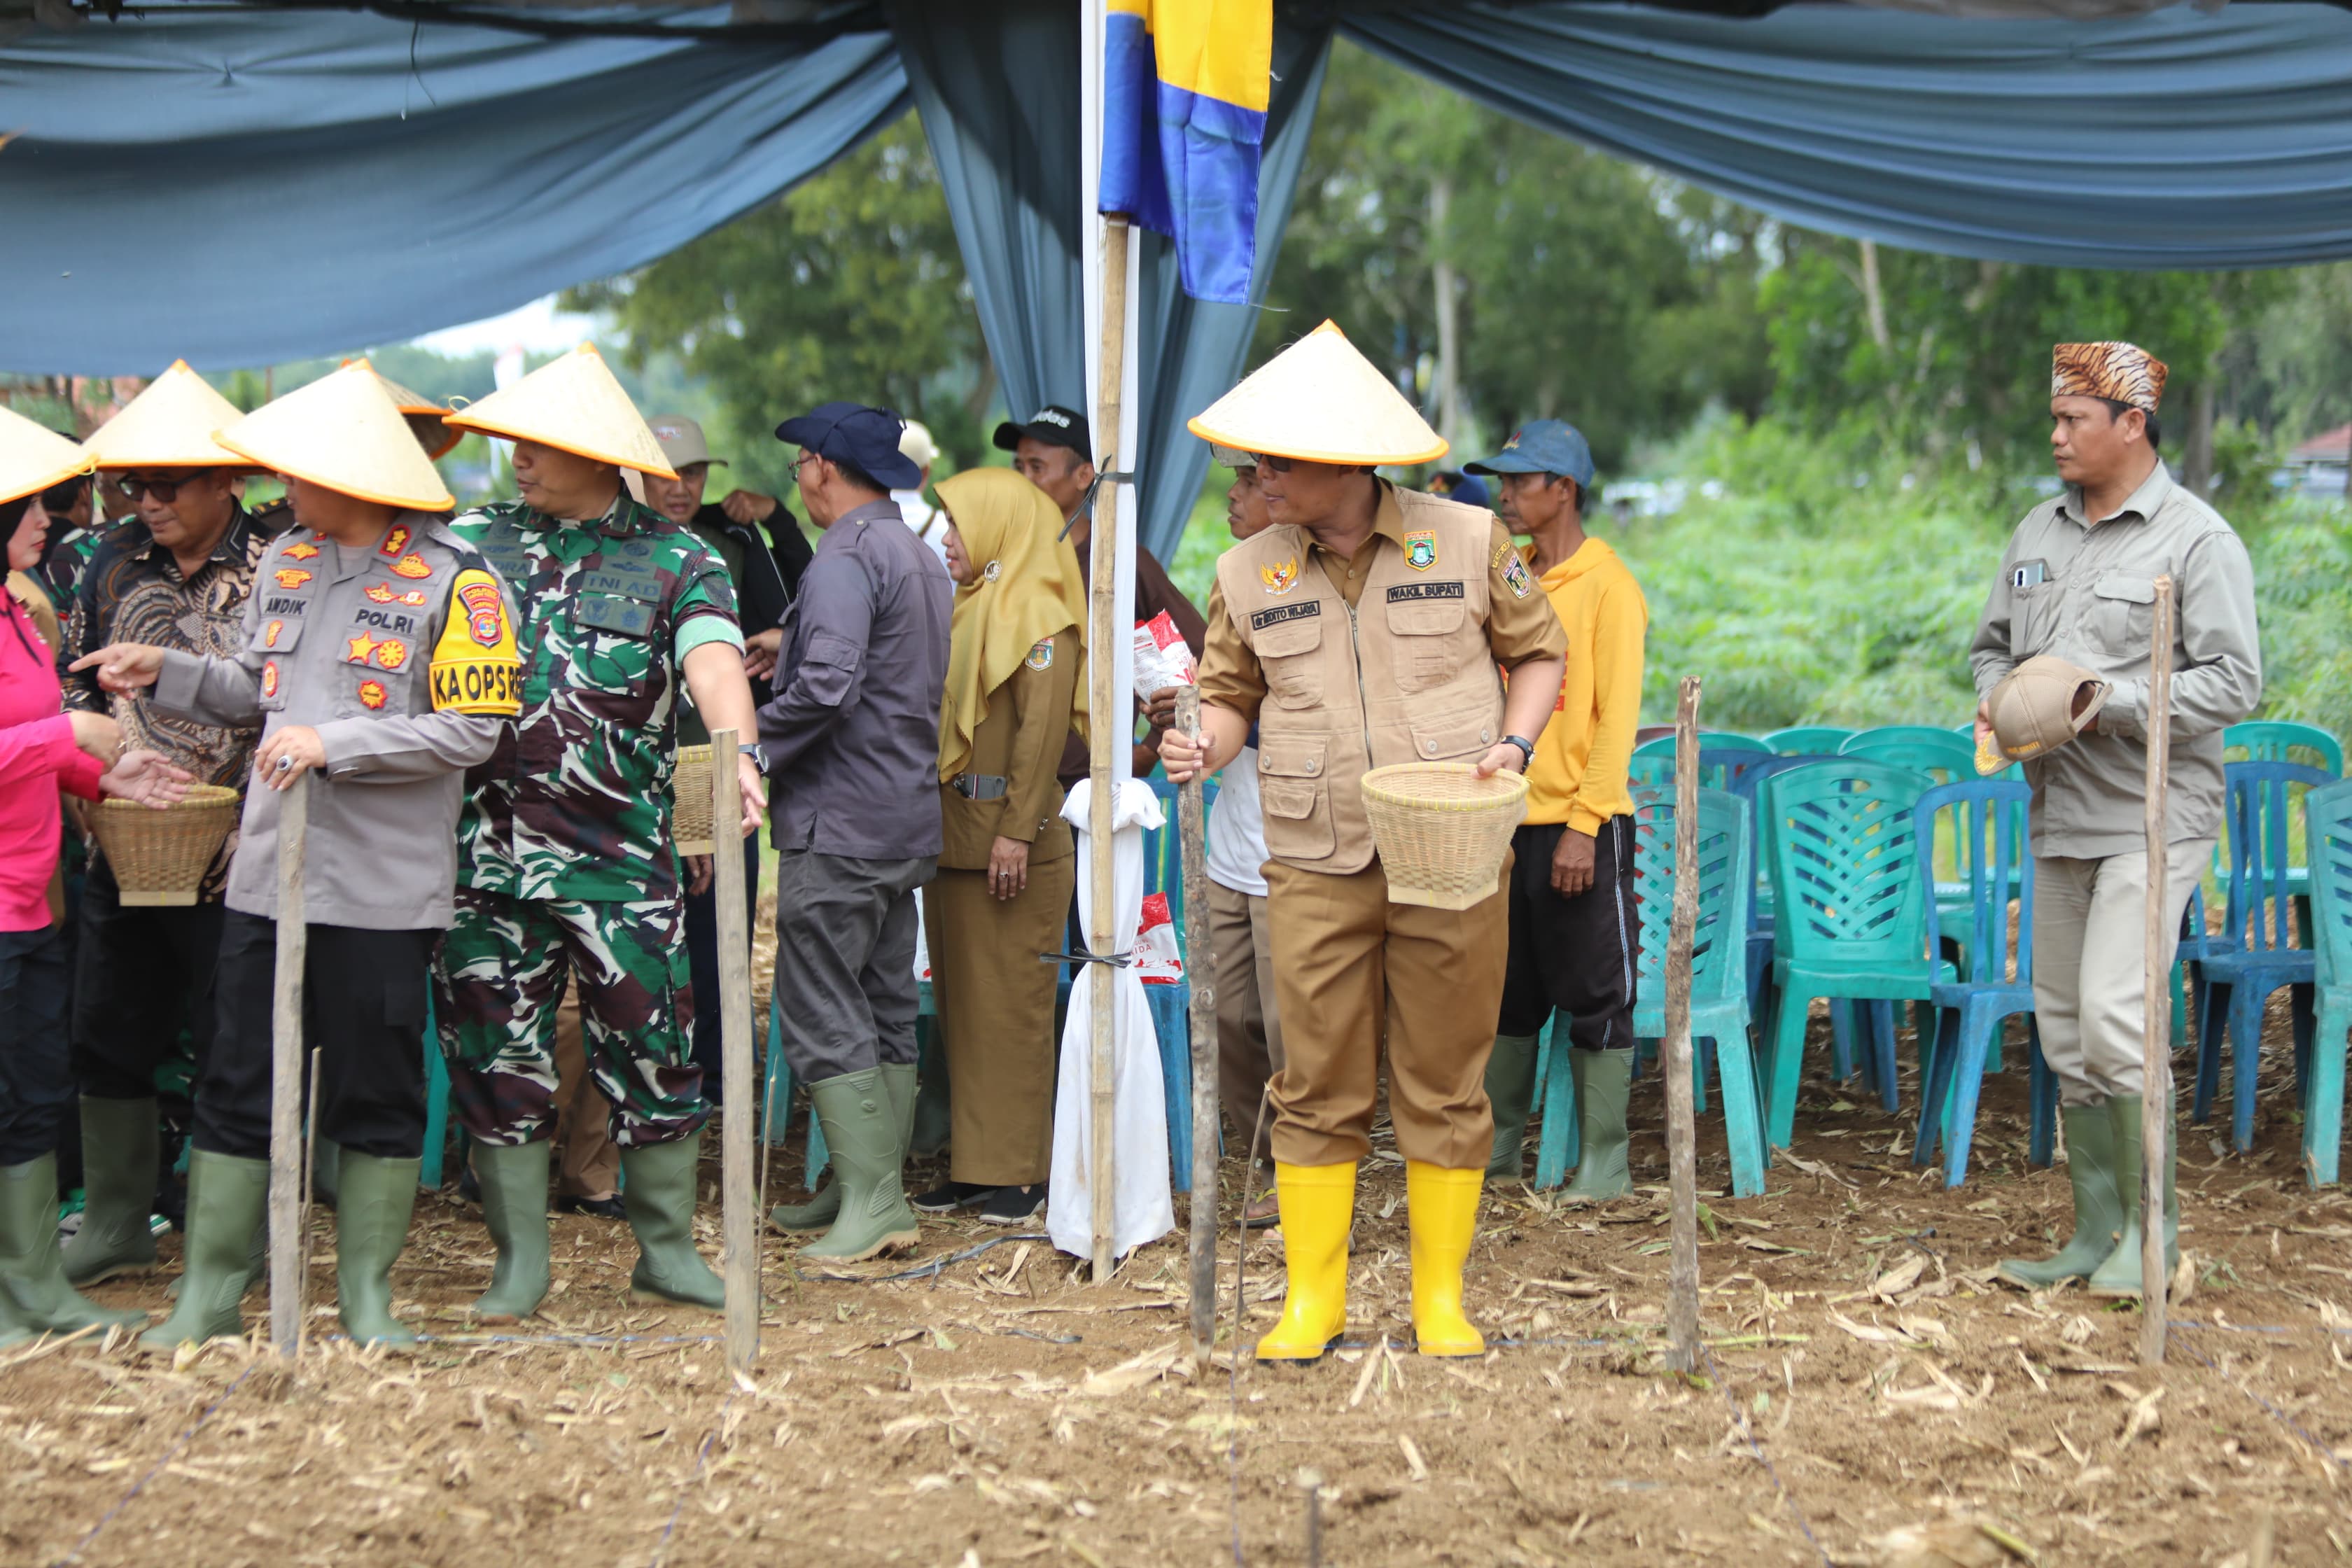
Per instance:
x=1542, y=446
x=865, y=438
x=1055, y=426
x=1468, y=488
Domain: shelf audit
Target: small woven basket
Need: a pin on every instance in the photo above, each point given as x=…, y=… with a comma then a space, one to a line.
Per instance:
x=160, y=857
x=1442, y=831
x=689, y=811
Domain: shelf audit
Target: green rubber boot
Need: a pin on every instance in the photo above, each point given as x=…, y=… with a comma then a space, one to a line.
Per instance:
x=660, y=1179
x=514, y=1208
x=371, y=1228
x=226, y=1199
x=1605, y=1082
x=326, y=1172
x=118, y=1175
x=2119, y=1274
x=13, y=1330
x=820, y=1210
x=931, y=1124
x=32, y=1270
x=2091, y=1170
x=861, y=1129
x=1511, y=1086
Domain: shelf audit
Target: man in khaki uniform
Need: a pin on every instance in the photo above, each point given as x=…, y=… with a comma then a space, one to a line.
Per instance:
x=1364, y=629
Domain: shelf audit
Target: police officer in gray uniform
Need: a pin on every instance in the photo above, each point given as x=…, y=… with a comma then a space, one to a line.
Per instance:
x=380, y=653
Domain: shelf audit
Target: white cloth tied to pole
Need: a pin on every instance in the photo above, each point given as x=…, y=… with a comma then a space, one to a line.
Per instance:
x=1144, y=1209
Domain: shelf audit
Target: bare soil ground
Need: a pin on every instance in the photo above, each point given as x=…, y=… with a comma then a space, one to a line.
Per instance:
x=1871, y=1396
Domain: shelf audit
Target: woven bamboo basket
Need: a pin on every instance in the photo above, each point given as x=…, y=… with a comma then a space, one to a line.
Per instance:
x=689, y=811
x=1442, y=831
x=160, y=857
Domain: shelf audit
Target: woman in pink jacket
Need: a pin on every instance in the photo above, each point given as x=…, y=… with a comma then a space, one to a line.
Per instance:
x=43, y=749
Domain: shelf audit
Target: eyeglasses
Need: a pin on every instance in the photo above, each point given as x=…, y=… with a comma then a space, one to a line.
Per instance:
x=163, y=490
x=1273, y=464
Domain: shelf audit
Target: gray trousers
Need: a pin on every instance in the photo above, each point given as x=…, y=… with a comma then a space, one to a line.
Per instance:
x=846, y=961
x=2090, y=963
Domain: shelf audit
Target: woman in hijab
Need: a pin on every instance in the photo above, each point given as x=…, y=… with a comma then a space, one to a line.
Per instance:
x=1016, y=689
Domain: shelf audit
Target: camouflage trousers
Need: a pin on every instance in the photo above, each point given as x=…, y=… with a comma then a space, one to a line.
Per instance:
x=498, y=982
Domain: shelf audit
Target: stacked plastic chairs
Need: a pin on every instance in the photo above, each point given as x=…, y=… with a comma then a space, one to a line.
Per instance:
x=2327, y=820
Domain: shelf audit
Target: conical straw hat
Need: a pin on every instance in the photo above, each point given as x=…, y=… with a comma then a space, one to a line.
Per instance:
x=1322, y=401
x=169, y=425
x=572, y=403
x=342, y=431
x=424, y=416
x=34, y=458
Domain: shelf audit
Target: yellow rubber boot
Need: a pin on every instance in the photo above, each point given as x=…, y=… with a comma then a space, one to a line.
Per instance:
x=1318, y=1204
x=1443, y=1208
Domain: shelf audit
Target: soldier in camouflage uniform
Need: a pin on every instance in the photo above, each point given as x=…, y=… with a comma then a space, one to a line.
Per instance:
x=564, y=860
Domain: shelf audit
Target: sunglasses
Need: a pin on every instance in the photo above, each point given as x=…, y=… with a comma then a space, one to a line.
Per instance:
x=1273, y=464
x=163, y=490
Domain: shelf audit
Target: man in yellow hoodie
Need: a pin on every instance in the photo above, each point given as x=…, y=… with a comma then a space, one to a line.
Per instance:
x=1575, y=934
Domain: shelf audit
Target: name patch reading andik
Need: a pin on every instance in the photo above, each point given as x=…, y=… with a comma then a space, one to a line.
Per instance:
x=477, y=669
x=1261, y=620
x=1406, y=591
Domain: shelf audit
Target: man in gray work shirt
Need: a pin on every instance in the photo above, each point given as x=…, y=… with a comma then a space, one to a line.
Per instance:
x=851, y=744
x=2079, y=582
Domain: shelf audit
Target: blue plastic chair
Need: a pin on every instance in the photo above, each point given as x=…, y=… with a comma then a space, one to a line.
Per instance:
x=1850, y=919
x=1807, y=740
x=2327, y=824
x=1989, y=814
x=2260, y=954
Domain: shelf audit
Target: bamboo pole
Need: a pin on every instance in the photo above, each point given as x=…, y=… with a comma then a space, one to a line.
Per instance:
x=286, y=1074
x=2156, y=1059
x=1681, y=1133
x=1104, y=708
x=740, y=1204
x=1191, y=828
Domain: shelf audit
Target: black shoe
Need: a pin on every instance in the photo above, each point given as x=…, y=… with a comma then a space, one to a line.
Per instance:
x=1012, y=1205
x=603, y=1208
x=950, y=1196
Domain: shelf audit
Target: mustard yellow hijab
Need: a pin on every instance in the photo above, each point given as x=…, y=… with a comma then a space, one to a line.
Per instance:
x=1028, y=589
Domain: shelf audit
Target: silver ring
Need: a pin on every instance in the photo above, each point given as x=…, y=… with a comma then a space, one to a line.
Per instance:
x=285, y=762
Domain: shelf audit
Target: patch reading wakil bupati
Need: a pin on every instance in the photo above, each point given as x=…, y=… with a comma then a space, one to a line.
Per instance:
x=1405, y=591
x=1261, y=620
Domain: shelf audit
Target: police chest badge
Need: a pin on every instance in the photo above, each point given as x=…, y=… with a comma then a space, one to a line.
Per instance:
x=1421, y=551
x=371, y=694
x=1041, y=656
x=1515, y=575
x=412, y=566
x=291, y=577
x=271, y=632
x=1280, y=580
x=477, y=667
x=301, y=552
x=269, y=678
x=385, y=594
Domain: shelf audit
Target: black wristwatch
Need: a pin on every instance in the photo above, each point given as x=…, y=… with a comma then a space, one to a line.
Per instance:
x=1526, y=750
x=759, y=760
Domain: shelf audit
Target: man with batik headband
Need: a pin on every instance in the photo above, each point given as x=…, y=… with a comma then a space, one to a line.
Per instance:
x=2073, y=600
x=382, y=658
x=177, y=574
x=565, y=864
x=1365, y=629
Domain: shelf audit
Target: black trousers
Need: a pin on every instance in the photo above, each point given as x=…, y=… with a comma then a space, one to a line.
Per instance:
x=702, y=966
x=36, y=1090
x=362, y=1007
x=141, y=974
x=1578, y=955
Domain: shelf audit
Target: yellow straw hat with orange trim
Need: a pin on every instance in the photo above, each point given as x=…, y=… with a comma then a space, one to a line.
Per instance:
x=574, y=404
x=169, y=425
x=32, y=458
x=423, y=413
x=342, y=431
x=1322, y=401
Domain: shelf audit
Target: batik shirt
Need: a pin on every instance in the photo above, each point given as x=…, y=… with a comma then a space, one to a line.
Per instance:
x=575, y=803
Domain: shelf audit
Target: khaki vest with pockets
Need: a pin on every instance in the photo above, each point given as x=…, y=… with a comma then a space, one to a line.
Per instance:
x=1404, y=677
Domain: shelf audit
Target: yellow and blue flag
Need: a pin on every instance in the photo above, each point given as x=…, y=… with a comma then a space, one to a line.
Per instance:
x=1185, y=85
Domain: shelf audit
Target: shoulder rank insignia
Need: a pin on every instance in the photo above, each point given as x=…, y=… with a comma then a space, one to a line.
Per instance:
x=1041, y=656
x=1280, y=580
x=371, y=694
x=290, y=576
x=412, y=566
x=1515, y=575
x=385, y=594
x=299, y=551
x=476, y=668
x=395, y=541
x=269, y=678
x=1421, y=550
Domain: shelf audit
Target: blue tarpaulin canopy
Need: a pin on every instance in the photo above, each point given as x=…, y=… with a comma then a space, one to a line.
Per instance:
x=238, y=186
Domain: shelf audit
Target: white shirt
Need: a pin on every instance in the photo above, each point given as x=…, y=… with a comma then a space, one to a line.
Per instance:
x=930, y=523
x=1236, y=856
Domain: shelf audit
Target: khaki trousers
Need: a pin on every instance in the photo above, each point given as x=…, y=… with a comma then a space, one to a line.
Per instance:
x=1249, y=1024
x=2090, y=963
x=995, y=1003
x=1348, y=965
x=590, y=1160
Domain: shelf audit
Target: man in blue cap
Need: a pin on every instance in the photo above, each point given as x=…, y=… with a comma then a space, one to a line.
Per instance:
x=1575, y=934
x=851, y=744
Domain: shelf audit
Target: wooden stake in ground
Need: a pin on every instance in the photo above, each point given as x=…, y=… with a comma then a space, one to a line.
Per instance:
x=1191, y=831
x=2156, y=1059
x=739, y=1210
x=286, y=1074
x=1104, y=708
x=1681, y=1133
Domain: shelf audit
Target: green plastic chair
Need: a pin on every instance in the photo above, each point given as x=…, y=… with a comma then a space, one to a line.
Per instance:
x=1851, y=914
x=1807, y=739
x=1708, y=740
x=2275, y=741
x=2327, y=824
x=1948, y=757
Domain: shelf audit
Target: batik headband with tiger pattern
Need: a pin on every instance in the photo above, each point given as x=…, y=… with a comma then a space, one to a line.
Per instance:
x=2120, y=372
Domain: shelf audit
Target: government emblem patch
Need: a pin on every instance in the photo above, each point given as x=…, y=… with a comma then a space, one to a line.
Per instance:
x=1041, y=656
x=1421, y=551
x=1280, y=580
